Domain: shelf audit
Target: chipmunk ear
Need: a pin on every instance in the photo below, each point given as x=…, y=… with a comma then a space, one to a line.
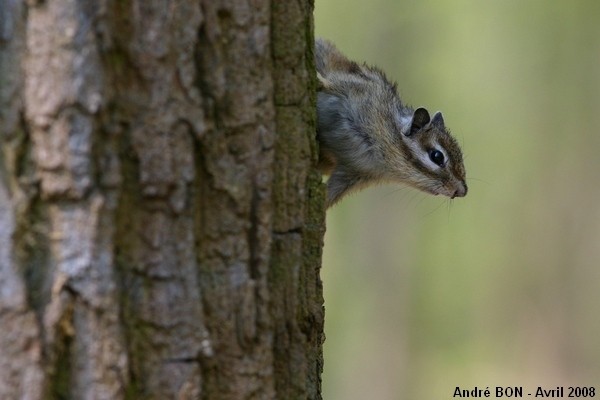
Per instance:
x=420, y=118
x=438, y=120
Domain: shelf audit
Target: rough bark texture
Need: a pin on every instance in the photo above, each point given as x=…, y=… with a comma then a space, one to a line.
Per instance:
x=161, y=219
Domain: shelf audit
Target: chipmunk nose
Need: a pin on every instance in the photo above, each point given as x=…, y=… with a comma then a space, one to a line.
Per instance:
x=461, y=191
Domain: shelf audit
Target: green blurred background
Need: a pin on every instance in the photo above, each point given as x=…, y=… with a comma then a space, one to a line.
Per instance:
x=502, y=287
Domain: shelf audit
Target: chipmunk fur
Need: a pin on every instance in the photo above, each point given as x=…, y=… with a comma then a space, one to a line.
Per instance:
x=367, y=135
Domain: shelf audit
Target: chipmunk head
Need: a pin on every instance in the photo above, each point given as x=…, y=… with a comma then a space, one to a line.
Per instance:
x=434, y=159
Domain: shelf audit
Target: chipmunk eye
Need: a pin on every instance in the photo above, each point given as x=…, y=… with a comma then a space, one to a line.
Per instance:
x=437, y=157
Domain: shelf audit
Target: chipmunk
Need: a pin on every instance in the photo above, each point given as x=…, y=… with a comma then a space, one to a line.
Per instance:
x=367, y=135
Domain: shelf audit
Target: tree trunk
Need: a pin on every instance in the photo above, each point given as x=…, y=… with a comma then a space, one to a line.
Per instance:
x=161, y=219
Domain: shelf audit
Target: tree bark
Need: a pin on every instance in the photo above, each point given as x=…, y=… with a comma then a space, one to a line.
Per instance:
x=161, y=218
